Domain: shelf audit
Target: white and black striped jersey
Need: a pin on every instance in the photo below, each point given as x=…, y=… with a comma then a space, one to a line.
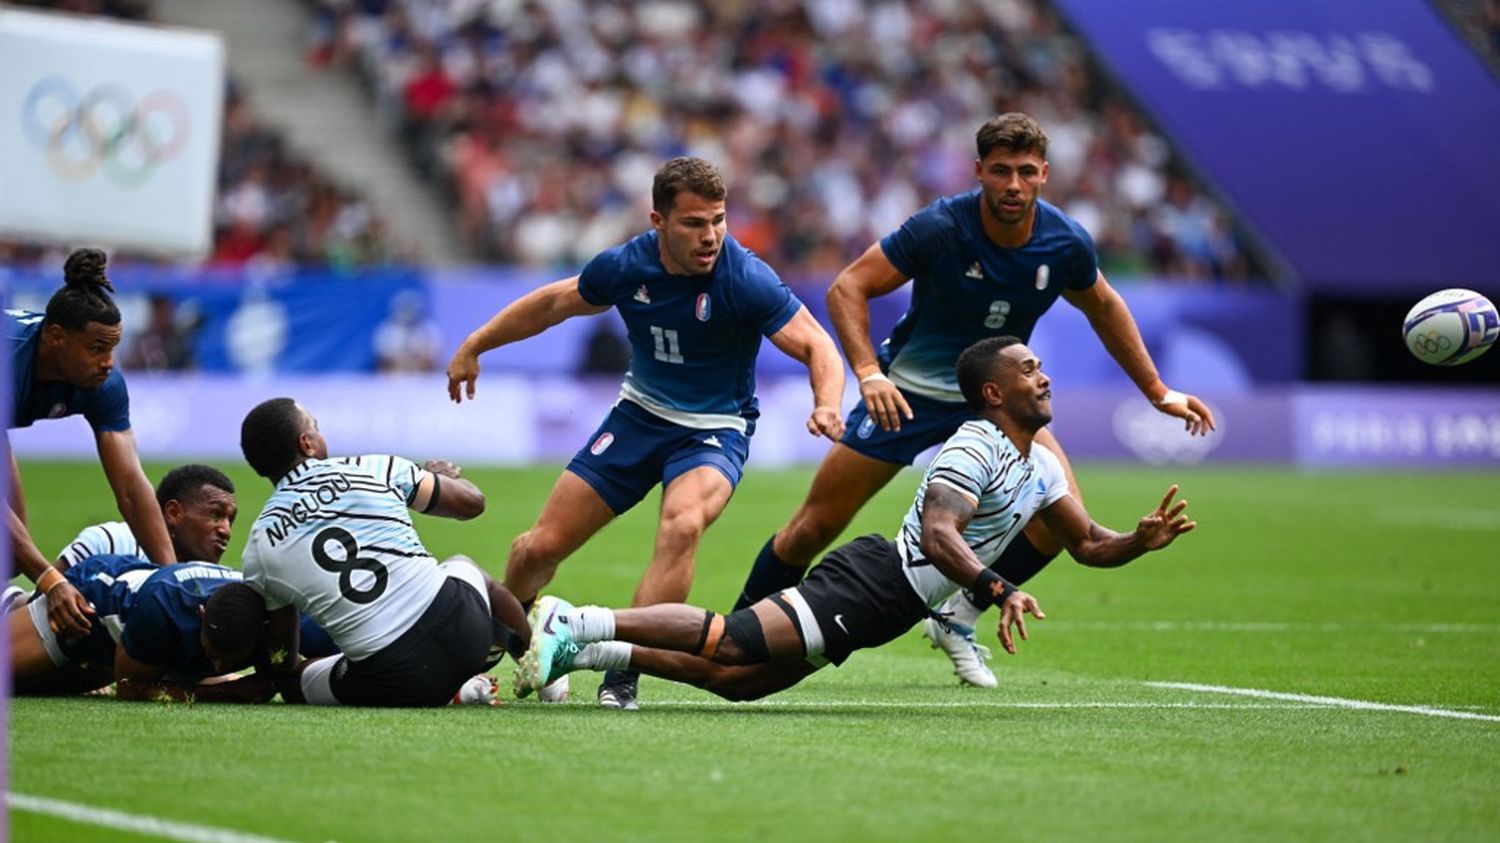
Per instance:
x=109, y=538
x=1007, y=488
x=336, y=540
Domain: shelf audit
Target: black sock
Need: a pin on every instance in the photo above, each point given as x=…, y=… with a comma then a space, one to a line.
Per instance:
x=767, y=576
x=1021, y=561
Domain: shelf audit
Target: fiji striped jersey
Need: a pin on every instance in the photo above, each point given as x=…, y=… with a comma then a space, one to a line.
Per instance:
x=336, y=540
x=1007, y=488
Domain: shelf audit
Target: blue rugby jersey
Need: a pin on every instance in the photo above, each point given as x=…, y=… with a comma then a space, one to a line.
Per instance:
x=693, y=339
x=966, y=288
x=107, y=408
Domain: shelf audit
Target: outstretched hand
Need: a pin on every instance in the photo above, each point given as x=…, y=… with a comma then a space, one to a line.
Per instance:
x=1165, y=523
x=443, y=467
x=1196, y=416
x=463, y=371
x=1013, y=613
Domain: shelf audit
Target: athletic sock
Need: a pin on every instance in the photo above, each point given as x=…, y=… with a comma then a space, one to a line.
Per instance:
x=604, y=655
x=767, y=576
x=591, y=623
x=961, y=610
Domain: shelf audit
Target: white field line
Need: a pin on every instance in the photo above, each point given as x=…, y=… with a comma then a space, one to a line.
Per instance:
x=1272, y=626
x=137, y=823
x=1337, y=702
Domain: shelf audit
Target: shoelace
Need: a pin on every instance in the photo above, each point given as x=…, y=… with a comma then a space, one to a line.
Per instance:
x=951, y=627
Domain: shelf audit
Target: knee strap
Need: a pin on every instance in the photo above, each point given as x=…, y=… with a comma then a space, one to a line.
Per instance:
x=744, y=627
x=713, y=631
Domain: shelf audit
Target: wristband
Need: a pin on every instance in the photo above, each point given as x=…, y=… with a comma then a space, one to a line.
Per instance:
x=990, y=588
x=1172, y=396
x=56, y=579
x=874, y=376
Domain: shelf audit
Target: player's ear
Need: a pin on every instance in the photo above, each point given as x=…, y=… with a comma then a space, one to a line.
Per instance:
x=658, y=221
x=992, y=394
x=172, y=512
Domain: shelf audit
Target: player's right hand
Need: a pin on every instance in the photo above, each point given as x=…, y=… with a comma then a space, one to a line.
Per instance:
x=68, y=611
x=885, y=403
x=463, y=369
x=1013, y=613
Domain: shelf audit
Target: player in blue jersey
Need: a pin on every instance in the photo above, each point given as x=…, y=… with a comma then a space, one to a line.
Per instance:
x=199, y=507
x=983, y=263
x=992, y=475
x=62, y=364
x=336, y=541
x=696, y=305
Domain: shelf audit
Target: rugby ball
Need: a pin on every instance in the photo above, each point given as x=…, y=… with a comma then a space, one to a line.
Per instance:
x=1451, y=327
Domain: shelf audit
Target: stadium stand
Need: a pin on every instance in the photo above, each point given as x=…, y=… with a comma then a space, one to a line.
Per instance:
x=275, y=208
x=831, y=120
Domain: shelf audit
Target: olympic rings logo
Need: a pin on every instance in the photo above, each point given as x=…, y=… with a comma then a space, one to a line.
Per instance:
x=104, y=130
x=1431, y=342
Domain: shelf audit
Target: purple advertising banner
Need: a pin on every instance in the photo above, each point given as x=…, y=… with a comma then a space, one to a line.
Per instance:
x=520, y=419
x=1358, y=138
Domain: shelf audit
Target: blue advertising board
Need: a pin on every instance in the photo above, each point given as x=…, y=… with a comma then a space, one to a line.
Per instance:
x=1359, y=139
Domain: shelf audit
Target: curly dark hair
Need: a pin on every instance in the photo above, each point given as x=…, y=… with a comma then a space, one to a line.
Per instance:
x=976, y=366
x=268, y=437
x=183, y=482
x=84, y=296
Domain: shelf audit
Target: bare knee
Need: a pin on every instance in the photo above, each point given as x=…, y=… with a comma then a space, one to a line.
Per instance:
x=537, y=547
x=682, y=528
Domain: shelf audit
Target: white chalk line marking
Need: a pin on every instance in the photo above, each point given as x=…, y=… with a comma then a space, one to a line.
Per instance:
x=137, y=823
x=1337, y=702
x=1272, y=626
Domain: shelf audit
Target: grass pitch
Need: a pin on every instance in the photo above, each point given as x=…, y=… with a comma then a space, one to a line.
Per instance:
x=1367, y=588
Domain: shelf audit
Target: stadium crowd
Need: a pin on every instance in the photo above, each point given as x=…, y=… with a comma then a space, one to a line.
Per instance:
x=275, y=209
x=832, y=119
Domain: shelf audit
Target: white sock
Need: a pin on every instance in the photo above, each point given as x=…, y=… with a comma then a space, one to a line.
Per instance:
x=591, y=623
x=964, y=611
x=604, y=655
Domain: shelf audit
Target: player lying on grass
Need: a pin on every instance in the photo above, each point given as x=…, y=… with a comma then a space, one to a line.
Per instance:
x=989, y=478
x=153, y=634
x=336, y=541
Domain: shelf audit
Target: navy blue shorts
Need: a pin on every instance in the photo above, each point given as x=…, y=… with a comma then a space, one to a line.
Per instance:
x=935, y=421
x=633, y=450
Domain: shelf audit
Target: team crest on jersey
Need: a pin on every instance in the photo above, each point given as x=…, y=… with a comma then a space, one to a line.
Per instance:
x=702, y=308
x=642, y=296
x=1043, y=273
x=866, y=427
x=976, y=271
x=58, y=411
x=603, y=442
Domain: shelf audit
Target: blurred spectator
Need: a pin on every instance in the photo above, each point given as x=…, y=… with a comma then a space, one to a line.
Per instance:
x=832, y=120
x=275, y=209
x=166, y=343
x=408, y=339
x=1479, y=22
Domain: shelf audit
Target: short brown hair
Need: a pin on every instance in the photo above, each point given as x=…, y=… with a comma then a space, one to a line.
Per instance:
x=694, y=175
x=1014, y=132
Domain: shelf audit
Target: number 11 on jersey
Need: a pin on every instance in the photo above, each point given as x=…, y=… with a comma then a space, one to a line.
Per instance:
x=667, y=349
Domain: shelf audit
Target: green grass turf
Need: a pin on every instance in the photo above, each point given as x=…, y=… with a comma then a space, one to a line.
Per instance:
x=1367, y=586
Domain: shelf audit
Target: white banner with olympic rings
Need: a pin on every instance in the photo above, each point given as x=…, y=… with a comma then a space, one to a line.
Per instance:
x=109, y=132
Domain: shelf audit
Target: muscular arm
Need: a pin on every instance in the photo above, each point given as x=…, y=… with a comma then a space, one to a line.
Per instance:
x=443, y=491
x=1097, y=546
x=805, y=341
x=871, y=276
x=1110, y=318
x=945, y=514
x=137, y=681
x=134, y=495
x=525, y=317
